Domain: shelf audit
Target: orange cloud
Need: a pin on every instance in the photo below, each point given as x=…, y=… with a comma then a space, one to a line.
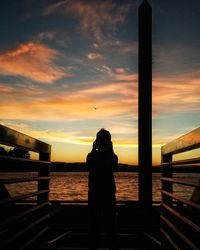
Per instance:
x=5, y=89
x=177, y=93
x=80, y=105
x=103, y=101
x=32, y=60
x=126, y=77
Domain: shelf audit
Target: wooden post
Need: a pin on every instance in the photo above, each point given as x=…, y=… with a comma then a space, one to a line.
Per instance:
x=145, y=105
x=167, y=173
x=44, y=172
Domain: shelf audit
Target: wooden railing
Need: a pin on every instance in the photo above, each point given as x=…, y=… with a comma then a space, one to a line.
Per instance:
x=23, y=224
x=180, y=216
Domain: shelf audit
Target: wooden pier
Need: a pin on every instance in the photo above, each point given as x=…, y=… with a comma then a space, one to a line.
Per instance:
x=42, y=224
x=32, y=221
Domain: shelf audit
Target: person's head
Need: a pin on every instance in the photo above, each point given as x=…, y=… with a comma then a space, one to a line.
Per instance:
x=103, y=141
x=103, y=136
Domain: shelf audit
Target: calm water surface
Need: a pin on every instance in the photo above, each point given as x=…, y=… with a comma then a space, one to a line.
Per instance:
x=74, y=185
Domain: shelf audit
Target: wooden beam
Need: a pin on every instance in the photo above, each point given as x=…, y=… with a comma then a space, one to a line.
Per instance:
x=14, y=138
x=184, y=143
x=145, y=104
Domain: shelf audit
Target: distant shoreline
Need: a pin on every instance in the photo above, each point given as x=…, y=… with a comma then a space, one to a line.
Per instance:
x=81, y=167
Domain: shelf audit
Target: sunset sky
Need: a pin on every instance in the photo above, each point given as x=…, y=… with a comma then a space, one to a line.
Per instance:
x=69, y=68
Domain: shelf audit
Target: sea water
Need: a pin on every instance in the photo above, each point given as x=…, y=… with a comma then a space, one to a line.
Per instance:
x=73, y=186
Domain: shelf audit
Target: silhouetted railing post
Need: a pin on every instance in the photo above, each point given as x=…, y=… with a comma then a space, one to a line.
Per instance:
x=24, y=223
x=167, y=173
x=180, y=211
x=145, y=104
x=44, y=171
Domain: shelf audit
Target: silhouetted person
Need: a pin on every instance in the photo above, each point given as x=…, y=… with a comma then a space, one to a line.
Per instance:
x=101, y=163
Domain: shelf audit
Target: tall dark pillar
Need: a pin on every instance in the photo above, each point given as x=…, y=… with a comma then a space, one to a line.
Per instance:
x=145, y=104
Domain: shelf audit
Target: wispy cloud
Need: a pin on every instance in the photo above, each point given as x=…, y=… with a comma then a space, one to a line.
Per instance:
x=93, y=16
x=172, y=58
x=32, y=60
x=114, y=90
x=116, y=45
x=105, y=69
x=117, y=97
x=119, y=74
x=126, y=77
x=19, y=92
x=74, y=137
x=178, y=93
x=80, y=105
x=94, y=56
x=5, y=89
x=49, y=35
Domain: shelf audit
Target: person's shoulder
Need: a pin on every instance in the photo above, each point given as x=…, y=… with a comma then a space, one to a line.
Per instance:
x=114, y=155
x=91, y=154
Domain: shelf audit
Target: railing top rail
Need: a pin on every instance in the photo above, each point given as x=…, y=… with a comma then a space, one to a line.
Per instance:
x=184, y=143
x=14, y=138
x=181, y=181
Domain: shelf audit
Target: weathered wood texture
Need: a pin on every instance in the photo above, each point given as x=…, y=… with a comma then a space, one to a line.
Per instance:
x=23, y=225
x=184, y=143
x=14, y=138
x=180, y=222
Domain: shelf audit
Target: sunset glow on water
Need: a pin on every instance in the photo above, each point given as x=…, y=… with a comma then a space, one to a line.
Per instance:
x=73, y=186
